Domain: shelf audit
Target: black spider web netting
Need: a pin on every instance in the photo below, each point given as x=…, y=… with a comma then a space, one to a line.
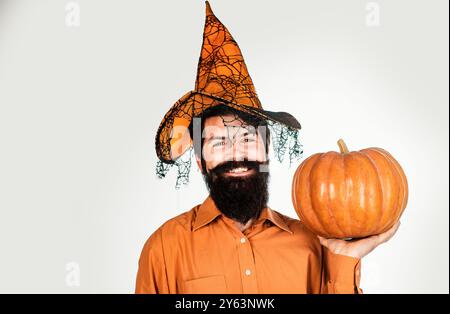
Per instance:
x=222, y=79
x=283, y=139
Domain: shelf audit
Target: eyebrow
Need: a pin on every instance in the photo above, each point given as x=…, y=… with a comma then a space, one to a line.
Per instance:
x=225, y=137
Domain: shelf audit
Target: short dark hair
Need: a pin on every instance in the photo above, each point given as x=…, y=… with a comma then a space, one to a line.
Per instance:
x=222, y=109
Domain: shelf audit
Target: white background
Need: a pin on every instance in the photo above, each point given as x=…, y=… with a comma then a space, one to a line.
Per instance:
x=79, y=108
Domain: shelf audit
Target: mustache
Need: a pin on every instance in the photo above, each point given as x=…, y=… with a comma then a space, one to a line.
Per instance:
x=228, y=165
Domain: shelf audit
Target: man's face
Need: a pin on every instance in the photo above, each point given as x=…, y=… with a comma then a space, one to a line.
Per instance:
x=227, y=138
x=236, y=163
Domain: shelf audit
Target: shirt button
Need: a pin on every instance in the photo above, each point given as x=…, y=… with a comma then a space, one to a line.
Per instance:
x=242, y=240
x=248, y=272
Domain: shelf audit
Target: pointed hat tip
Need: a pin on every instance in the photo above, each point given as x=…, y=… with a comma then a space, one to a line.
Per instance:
x=208, y=8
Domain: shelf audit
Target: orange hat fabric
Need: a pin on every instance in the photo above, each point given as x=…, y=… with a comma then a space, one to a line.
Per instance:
x=222, y=78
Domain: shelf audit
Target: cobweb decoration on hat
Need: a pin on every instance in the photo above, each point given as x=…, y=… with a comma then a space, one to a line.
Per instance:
x=283, y=139
x=222, y=78
x=183, y=164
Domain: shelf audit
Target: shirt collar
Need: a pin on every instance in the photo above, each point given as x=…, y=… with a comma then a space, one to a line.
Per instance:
x=208, y=211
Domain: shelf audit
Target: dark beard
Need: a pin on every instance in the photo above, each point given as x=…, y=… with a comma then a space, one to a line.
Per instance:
x=239, y=198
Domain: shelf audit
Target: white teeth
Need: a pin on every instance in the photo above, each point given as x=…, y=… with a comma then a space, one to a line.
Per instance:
x=240, y=169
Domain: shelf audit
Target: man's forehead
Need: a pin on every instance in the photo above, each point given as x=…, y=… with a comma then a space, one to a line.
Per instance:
x=222, y=125
x=224, y=120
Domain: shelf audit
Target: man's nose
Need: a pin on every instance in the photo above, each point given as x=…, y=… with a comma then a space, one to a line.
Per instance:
x=236, y=152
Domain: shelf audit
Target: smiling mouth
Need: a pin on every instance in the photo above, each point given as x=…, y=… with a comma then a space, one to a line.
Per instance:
x=239, y=171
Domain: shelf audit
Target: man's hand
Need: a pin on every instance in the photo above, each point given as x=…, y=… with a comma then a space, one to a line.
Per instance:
x=358, y=247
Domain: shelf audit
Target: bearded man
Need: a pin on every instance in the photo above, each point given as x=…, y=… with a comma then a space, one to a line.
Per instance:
x=233, y=242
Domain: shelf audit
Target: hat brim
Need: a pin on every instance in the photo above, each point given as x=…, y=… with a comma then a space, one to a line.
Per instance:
x=172, y=138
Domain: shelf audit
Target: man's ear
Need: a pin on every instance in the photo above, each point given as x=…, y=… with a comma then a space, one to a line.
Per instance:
x=199, y=163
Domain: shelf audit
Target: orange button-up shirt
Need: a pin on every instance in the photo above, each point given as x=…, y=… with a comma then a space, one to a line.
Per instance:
x=203, y=251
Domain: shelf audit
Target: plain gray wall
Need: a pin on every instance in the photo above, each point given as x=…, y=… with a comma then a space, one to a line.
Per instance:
x=79, y=108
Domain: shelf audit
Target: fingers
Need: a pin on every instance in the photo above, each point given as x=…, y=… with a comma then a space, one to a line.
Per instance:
x=385, y=236
x=326, y=242
x=375, y=239
x=323, y=241
x=372, y=241
x=330, y=241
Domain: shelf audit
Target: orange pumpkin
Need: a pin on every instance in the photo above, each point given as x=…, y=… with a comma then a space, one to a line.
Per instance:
x=349, y=194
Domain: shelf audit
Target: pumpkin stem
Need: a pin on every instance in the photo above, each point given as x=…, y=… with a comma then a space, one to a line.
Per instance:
x=342, y=146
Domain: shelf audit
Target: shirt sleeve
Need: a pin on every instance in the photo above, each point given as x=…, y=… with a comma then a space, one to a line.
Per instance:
x=340, y=273
x=152, y=275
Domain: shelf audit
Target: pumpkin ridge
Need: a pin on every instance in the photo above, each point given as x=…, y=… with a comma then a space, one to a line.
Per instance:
x=403, y=179
x=324, y=230
x=400, y=191
x=404, y=186
x=306, y=219
x=331, y=213
x=346, y=193
x=364, y=152
x=293, y=191
x=397, y=190
x=348, y=216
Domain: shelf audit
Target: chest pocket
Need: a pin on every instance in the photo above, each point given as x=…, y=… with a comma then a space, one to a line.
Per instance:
x=210, y=284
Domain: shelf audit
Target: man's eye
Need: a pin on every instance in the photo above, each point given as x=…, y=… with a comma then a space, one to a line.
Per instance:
x=219, y=144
